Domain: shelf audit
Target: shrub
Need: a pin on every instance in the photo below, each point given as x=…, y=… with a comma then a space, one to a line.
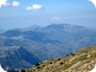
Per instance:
x=50, y=62
x=43, y=65
x=72, y=54
x=59, y=59
x=38, y=67
x=37, y=64
x=61, y=63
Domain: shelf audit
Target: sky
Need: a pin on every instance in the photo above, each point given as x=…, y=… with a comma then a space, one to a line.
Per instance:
x=25, y=13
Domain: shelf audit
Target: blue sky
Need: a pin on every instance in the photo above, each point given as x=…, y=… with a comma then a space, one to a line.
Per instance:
x=24, y=13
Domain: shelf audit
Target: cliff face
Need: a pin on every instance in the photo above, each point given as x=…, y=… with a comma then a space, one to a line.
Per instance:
x=83, y=60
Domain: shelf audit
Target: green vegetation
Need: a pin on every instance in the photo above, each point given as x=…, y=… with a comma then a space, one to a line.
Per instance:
x=83, y=60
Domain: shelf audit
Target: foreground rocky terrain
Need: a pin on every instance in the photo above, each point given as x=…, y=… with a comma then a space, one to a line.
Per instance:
x=83, y=60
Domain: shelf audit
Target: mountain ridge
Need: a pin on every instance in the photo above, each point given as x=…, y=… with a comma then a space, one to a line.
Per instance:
x=60, y=39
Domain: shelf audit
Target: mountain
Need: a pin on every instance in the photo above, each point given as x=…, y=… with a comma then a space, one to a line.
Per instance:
x=52, y=41
x=83, y=60
x=33, y=28
x=1, y=31
x=15, y=58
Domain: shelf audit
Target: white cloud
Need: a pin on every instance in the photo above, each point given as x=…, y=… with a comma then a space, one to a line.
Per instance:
x=34, y=7
x=55, y=18
x=29, y=8
x=15, y=3
x=3, y=3
x=94, y=2
x=6, y=5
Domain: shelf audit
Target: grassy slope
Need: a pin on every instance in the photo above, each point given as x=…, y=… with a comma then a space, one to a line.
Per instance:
x=83, y=60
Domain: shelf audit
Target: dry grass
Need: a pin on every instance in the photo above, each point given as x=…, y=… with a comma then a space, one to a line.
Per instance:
x=83, y=60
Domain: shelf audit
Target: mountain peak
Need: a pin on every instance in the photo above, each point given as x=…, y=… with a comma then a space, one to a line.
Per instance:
x=32, y=28
x=63, y=25
x=57, y=25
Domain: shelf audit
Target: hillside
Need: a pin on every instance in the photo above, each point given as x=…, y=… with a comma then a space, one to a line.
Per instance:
x=42, y=42
x=83, y=60
x=14, y=58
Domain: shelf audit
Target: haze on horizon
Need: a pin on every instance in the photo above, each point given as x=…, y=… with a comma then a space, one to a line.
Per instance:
x=24, y=13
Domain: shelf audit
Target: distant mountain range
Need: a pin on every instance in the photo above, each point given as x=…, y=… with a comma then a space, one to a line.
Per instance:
x=52, y=41
x=83, y=60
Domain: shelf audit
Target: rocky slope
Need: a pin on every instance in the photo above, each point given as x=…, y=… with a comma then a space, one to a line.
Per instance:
x=83, y=60
x=15, y=58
